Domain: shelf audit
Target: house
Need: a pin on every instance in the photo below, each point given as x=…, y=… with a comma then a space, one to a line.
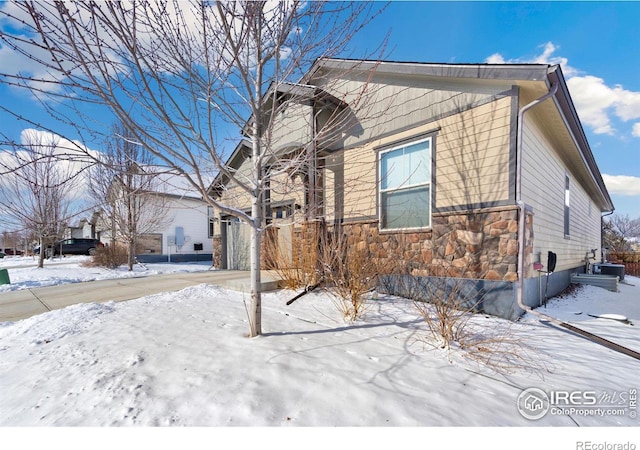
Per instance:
x=473, y=171
x=174, y=224
x=185, y=235
x=75, y=232
x=86, y=228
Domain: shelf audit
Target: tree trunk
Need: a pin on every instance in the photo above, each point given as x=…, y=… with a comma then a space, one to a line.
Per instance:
x=256, y=289
x=131, y=254
x=256, y=214
x=41, y=255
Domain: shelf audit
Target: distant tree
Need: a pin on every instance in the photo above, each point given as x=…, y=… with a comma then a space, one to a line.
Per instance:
x=126, y=188
x=36, y=190
x=11, y=240
x=619, y=230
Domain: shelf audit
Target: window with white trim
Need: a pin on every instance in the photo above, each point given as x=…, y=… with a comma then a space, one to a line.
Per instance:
x=210, y=220
x=405, y=186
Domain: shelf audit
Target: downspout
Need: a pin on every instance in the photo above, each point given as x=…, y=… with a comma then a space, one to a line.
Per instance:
x=521, y=205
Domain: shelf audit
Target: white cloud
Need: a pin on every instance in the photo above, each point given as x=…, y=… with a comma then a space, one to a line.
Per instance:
x=496, y=58
x=178, y=24
x=622, y=184
x=72, y=156
x=596, y=102
x=593, y=98
x=546, y=57
x=31, y=60
x=627, y=104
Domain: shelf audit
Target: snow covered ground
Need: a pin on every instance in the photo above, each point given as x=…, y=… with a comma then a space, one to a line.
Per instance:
x=24, y=273
x=184, y=359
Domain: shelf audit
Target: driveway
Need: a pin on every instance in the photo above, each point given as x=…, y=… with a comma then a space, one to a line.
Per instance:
x=17, y=305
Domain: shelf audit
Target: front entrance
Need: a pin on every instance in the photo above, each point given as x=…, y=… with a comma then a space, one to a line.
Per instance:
x=238, y=244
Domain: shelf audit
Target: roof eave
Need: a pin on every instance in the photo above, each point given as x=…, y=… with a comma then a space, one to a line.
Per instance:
x=533, y=72
x=239, y=154
x=565, y=104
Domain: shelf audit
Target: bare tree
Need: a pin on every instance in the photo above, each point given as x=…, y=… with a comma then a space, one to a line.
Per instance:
x=181, y=76
x=618, y=230
x=12, y=241
x=36, y=191
x=126, y=188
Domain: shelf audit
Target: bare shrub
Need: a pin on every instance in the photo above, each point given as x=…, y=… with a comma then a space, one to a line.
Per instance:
x=350, y=272
x=450, y=307
x=446, y=305
x=499, y=346
x=324, y=257
x=302, y=269
x=110, y=257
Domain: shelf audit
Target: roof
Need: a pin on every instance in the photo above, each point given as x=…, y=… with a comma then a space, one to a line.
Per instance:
x=533, y=72
x=240, y=153
x=168, y=183
x=549, y=74
x=541, y=73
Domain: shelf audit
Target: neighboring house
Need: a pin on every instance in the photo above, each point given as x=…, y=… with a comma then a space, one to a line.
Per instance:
x=477, y=169
x=75, y=232
x=174, y=227
x=87, y=228
x=185, y=235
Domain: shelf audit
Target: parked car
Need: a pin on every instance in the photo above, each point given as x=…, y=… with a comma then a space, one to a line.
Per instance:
x=73, y=246
x=11, y=251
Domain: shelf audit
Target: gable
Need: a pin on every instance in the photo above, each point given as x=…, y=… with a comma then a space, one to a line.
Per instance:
x=393, y=103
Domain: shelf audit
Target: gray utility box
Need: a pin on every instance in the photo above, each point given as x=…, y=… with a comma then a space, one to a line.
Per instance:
x=609, y=269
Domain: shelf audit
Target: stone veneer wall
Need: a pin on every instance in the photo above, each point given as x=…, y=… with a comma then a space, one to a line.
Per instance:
x=217, y=252
x=478, y=245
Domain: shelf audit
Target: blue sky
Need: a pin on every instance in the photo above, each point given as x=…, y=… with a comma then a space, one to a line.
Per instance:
x=597, y=44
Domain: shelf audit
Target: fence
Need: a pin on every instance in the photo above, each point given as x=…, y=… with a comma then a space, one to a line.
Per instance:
x=631, y=261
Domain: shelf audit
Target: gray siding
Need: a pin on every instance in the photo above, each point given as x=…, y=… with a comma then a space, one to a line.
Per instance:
x=543, y=186
x=385, y=104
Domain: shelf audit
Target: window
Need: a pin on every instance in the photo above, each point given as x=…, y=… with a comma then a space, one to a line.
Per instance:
x=566, y=205
x=405, y=186
x=211, y=217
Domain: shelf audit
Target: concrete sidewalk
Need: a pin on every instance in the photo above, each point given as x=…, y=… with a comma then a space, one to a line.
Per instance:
x=17, y=305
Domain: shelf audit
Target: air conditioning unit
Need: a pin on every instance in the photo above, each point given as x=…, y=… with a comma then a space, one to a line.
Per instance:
x=610, y=269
